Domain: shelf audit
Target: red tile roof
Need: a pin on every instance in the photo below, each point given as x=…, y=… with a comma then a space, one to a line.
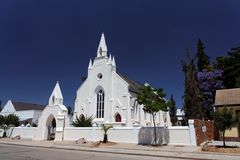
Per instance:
x=19, y=106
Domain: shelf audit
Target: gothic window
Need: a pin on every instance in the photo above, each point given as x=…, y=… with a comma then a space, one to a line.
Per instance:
x=53, y=99
x=100, y=51
x=118, y=118
x=100, y=104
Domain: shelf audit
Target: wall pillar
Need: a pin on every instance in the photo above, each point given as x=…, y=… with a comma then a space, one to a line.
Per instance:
x=192, y=133
x=60, y=123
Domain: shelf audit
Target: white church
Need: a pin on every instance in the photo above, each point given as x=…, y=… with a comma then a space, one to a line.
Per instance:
x=111, y=97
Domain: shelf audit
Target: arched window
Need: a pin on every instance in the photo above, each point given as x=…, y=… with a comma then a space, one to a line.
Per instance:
x=53, y=99
x=118, y=118
x=100, y=104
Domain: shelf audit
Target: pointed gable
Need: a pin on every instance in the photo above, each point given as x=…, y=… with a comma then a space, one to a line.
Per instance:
x=8, y=107
x=56, y=97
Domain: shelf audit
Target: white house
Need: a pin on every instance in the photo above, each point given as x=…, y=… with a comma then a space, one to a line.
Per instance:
x=180, y=116
x=27, y=112
x=110, y=97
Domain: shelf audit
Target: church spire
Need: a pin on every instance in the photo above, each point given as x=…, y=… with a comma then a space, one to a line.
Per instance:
x=56, y=97
x=102, y=48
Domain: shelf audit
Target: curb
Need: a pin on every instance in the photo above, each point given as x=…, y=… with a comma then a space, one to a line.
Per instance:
x=112, y=150
x=104, y=151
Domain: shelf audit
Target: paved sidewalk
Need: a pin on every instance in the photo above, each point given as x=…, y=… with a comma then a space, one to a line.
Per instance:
x=228, y=143
x=178, y=152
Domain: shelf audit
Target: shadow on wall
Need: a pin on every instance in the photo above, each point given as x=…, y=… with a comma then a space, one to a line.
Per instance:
x=146, y=136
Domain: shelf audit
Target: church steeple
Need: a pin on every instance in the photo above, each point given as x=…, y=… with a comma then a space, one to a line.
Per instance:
x=102, y=48
x=56, y=97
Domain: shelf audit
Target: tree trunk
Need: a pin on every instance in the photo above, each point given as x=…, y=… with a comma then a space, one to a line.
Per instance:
x=4, y=133
x=224, y=139
x=155, y=131
x=105, y=138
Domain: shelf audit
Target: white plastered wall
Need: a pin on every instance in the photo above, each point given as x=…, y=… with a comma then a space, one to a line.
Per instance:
x=59, y=112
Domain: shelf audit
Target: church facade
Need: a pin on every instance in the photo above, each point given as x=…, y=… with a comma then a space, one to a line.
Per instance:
x=110, y=97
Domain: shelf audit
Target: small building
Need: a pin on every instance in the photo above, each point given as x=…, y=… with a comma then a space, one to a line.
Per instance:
x=27, y=112
x=231, y=99
x=180, y=117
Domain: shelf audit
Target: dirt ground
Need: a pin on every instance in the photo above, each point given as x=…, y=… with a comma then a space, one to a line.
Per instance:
x=221, y=149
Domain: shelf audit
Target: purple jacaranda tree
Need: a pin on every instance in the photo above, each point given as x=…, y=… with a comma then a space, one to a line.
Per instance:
x=209, y=81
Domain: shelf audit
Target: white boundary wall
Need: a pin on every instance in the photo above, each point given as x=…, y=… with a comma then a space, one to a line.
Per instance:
x=116, y=134
x=24, y=132
x=178, y=135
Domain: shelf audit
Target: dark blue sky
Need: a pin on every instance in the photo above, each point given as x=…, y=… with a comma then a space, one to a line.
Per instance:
x=42, y=42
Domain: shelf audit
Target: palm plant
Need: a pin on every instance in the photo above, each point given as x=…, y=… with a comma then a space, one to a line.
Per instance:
x=105, y=129
x=4, y=128
x=81, y=121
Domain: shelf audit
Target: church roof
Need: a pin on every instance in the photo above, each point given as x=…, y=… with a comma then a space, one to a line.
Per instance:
x=134, y=86
x=227, y=97
x=20, y=106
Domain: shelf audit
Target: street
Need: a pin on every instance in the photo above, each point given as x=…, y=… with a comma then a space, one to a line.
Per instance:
x=11, y=152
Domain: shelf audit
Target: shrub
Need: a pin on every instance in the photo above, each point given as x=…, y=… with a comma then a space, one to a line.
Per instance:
x=11, y=119
x=1, y=120
x=81, y=121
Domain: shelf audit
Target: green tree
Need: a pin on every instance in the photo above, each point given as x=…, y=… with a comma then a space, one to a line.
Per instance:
x=1, y=106
x=223, y=121
x=6, y=122
x=192, y=97
x=172, y=110
x=153, y=100
x=11, y=119
x=202, y=58
x=209, y=81
x=105, y=129
x=230, y=64
x=82, y=121
x=2, y=120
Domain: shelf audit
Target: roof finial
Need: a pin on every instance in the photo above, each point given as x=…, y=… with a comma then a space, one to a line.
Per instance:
x=113, y=62
x=102, y=48
x=90, y=64
x=110, y=59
